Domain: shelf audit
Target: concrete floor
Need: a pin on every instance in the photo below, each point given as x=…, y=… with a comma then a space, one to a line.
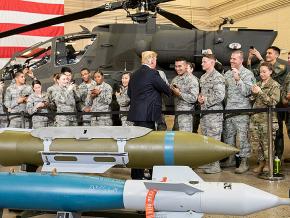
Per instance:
x=280, y=188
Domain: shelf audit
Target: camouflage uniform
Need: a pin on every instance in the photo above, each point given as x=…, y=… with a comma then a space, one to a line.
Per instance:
x=124, y=102
x=279, y=75
x=213, y=89
x=50, y=92
x=83, y=92
x=286, y=102
x=188, y=86
x=101, y=103
x=269, y=96
x=33, y=100
x=64, y=99
x=3, y=119
x=12, y=94
x=237, y=97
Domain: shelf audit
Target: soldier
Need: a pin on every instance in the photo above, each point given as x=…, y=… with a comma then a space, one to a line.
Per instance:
x=123, y=99
x=50, y=92
x=279, y=74
x=211, y=96
x=185, y=89
x=83, y=89
x=286, y=100
x=99, y=99
x=64, y=99
x=15, y=100
x=3, y=120
x=239, y=81
x=38, y=102
x=266, y=93
x=71, y=82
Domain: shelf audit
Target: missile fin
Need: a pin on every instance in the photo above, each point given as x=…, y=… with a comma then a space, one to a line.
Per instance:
x=175, y=173
x=189, y=214
x=175, y=187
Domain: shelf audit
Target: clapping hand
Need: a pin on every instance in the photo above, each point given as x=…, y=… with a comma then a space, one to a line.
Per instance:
x=201, y=99
x=256, y=89
x=176, y=91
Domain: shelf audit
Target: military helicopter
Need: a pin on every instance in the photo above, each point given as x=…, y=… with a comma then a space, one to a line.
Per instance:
x=114, y=48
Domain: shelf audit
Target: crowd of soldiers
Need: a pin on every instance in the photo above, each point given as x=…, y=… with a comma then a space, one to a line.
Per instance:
x=267, y=85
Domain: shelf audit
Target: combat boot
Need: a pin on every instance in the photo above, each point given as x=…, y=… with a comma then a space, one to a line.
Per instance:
x=260, y=167
x=206, y=166
x=266, y=167
x=244, y=166
x=230, y=162
x=214, y=168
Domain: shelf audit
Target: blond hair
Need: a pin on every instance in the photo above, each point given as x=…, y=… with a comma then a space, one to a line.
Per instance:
x=147, y=56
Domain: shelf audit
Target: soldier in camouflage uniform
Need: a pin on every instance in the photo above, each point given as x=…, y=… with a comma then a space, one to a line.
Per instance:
x=239, y=81
x=3, y=119
x=279, y=74
x=83, y=89
x=123, y=99
x=50, y=90
x=64, y=99
x=185, y=88
x=71, y=82
x=99, y=99
x=211, y=96
x=37, y=102
x=286, y=100
x=15, y=100
x=266, y=93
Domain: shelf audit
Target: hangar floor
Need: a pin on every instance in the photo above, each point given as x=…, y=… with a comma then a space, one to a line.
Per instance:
x=280, y=188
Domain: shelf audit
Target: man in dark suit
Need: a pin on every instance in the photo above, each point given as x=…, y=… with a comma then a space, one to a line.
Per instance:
x=145, y=88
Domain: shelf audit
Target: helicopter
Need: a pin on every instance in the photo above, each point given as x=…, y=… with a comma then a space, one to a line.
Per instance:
x=115, y=48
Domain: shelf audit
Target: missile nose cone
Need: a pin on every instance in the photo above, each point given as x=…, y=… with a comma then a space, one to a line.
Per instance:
x=211, y=149
x=218, y=147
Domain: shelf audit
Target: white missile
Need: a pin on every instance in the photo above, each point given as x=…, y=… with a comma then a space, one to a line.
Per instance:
x=185, y=194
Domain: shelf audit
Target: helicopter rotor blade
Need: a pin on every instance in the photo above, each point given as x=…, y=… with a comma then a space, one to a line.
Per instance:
x=64, y=19
x=179, y=21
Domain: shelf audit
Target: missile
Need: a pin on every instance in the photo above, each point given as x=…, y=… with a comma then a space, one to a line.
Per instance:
x=97, y=149
x=174, y=191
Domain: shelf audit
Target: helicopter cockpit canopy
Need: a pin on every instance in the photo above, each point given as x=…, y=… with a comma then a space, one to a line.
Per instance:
x=70, y=49
x=64, y=50
x=33, y=57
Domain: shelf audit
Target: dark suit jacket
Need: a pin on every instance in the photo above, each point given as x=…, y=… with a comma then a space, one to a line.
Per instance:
x=144, y=89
